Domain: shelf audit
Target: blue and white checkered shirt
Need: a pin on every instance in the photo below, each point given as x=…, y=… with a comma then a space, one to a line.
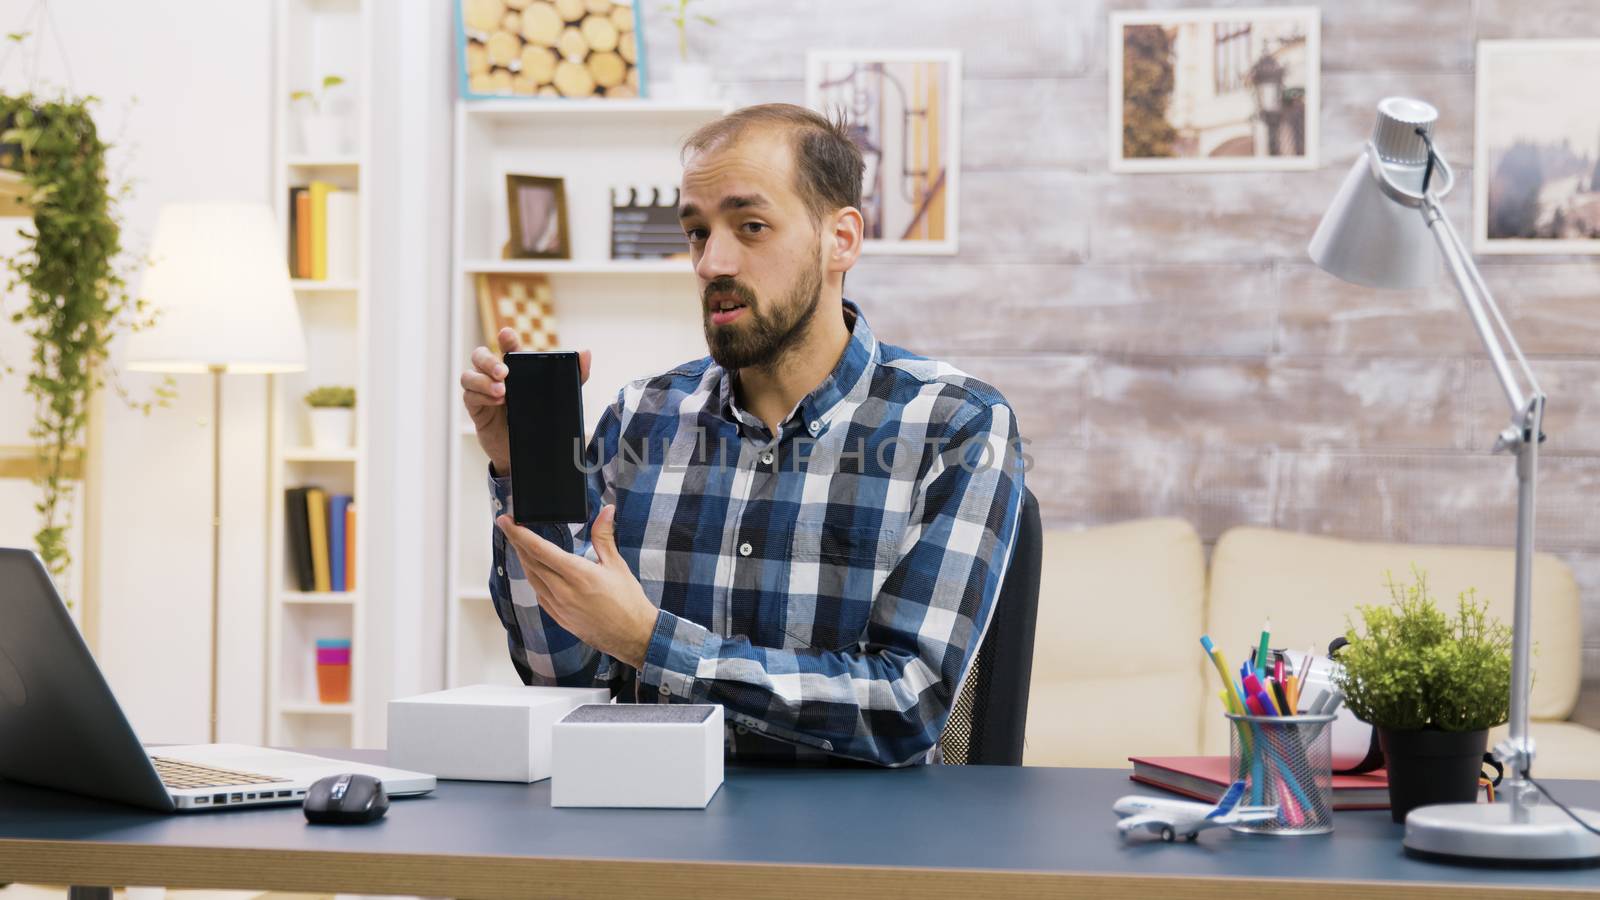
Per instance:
x=828, y=587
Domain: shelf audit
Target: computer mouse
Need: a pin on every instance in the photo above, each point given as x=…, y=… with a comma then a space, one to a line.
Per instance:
x=346, y=800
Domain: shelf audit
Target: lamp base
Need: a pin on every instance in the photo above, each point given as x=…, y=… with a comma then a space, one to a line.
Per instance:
x=1484, y=833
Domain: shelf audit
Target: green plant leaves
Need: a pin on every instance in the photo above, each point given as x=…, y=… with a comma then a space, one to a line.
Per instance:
x=77, y=299
x=1415, y=667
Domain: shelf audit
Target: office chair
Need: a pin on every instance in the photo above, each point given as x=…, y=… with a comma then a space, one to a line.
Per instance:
x=986, y=724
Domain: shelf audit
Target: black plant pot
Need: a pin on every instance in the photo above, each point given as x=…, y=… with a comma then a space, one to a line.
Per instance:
x=1431, y=766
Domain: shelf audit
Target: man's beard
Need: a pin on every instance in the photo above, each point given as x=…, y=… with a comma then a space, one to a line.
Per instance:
x=762, y=341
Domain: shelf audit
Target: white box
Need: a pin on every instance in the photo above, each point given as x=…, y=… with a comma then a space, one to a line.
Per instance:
x=637, y=755
x=485, y=732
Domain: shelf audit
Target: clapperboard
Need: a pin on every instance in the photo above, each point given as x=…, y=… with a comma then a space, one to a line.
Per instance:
x=644, y=224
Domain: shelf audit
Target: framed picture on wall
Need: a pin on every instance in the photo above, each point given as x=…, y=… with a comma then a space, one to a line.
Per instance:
x=903, y=109
x=551, y=49
x=523, y=303
x=538, y=209
x=1536, y=166
x=1214, y=90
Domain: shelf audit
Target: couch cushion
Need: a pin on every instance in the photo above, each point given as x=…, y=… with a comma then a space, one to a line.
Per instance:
x=1116, y=658
x=1307, y=585
x=1560, y=749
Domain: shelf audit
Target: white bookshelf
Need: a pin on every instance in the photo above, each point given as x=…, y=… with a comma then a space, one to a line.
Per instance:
x=639, y=317
x=314, y=38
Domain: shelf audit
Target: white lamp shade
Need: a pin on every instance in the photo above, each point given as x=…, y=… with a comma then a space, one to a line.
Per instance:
x=219, y=287
x=1369, y=239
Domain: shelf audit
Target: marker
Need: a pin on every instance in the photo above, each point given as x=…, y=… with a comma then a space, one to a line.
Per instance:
x=1267, y=703
x=1221, y=663
x=1261, y=655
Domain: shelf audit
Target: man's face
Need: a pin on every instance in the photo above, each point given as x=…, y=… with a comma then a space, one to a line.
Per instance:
x=756, y=251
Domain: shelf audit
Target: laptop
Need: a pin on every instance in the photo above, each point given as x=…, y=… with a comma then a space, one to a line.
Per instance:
x=61, y=727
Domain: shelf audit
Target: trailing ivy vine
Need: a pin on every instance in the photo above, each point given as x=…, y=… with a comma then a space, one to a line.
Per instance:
x=76, y=297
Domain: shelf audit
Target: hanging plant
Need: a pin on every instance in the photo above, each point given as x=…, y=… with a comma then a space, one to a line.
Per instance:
x=76, y=297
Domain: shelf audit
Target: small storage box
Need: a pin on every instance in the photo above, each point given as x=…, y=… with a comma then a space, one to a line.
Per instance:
x=485, y=732
x=637, y=755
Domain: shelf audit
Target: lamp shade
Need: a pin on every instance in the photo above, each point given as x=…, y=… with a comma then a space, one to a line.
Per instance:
x=220, y=290
x=1367, y=236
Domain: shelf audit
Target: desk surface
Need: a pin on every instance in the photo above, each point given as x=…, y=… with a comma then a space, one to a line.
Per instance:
x=939, y=831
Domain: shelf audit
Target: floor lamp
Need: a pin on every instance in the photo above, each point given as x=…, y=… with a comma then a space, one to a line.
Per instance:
x=1383, y=230
x=218, y=281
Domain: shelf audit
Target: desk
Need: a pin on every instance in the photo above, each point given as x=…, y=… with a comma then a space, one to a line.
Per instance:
x=923, y=832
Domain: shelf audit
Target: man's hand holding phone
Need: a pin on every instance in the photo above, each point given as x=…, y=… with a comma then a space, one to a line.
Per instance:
x=483, y=390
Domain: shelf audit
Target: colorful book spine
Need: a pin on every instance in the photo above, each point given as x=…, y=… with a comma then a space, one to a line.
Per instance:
x=350, y=546
x=319, y=229
x=317, y=521
x=302, y=234
x=336, y=539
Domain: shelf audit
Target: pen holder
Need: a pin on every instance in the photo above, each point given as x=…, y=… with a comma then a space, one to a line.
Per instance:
x=1284, y=761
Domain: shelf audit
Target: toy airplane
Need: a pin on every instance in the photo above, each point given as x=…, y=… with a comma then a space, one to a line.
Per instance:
x=1179, y=818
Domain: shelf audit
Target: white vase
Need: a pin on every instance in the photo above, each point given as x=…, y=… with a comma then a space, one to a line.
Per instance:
x=692, y=82
x=321, y=134
x=332, y=427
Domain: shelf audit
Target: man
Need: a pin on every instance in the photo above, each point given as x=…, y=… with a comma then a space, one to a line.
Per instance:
x=808, y=527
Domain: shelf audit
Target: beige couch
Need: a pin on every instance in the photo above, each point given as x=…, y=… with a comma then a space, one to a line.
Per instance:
x=1118, y=668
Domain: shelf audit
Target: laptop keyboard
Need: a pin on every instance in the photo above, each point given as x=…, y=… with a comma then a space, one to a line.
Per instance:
x=183, y=775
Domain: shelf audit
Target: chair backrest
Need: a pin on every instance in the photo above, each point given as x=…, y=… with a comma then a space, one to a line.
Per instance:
x=1308, y=584
x=1117, y=667
x=986, y=725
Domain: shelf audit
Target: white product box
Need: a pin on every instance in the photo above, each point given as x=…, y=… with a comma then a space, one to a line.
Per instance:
x=485, y=732
x=637, y=755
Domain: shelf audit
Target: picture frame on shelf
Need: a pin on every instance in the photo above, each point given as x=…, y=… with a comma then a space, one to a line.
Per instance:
x=1214, y=90
x=537, y=206
x=1536, y=164
x=522, y=302
x=550, y=50
x=903, y=109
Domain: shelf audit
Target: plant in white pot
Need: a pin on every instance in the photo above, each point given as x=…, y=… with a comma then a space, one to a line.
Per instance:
x=321, y=129
x=1432, y=685
x=690, y=80
x=332, y=416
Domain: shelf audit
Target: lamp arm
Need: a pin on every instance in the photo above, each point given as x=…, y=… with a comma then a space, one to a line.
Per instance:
x=1522, y=438
x=1478, y=301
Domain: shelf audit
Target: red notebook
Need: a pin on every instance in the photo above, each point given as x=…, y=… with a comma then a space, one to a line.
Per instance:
x=1206, y=777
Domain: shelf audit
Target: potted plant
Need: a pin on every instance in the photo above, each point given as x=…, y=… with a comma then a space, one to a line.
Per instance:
x=1432, y=685
x=332, y=416
x=67, y=273
x=690, y=80
x=321, y=131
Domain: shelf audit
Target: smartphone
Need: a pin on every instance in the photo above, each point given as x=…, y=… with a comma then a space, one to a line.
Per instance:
x=544, y=414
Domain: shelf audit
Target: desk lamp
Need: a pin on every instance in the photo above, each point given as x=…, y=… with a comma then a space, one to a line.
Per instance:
x=1376, y=233
x=220, y=284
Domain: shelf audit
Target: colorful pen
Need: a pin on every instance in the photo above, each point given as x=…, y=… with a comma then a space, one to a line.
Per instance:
x=1267, y=703
x=1261, y=655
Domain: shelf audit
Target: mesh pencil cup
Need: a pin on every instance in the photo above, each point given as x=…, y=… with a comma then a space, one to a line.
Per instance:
x=1287, y=762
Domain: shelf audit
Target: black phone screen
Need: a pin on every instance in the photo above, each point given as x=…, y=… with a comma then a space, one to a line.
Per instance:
x=544, y=412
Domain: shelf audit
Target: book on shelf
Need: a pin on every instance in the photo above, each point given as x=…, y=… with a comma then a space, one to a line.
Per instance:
x=317, y=520
x=337, y=505
x=1206, y=778
x=298, y=524
x=350, y=545
x=300, y=237
x=324, y=232
x=321, y=539
x=343, y=235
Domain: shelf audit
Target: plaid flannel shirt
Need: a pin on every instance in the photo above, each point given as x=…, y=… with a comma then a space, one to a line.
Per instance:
x=828, y=586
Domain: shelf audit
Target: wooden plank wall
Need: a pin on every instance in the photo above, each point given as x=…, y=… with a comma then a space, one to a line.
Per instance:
x=1168, y=347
